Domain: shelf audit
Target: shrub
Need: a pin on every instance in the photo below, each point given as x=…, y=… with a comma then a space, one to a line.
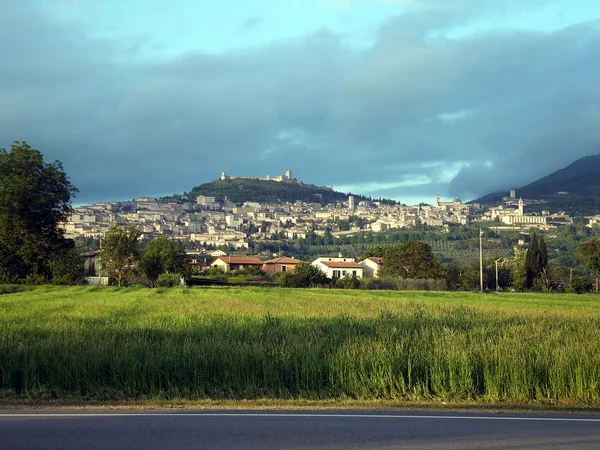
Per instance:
x=168, y=280
x=35, y=279
x=580, y=285
x=348, y=282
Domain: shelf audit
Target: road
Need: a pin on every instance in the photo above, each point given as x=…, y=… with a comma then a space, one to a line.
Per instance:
x=294, y=430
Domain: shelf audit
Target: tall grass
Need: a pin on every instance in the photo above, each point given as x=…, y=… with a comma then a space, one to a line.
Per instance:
x=110, y=343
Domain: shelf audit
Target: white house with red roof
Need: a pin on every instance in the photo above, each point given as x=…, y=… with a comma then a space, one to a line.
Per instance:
x=339, y=267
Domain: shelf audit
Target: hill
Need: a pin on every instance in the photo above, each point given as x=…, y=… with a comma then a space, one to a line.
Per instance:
x=250, y=190
x=574, y=189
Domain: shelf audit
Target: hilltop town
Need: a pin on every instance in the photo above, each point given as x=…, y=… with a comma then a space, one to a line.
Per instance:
x=208, y=221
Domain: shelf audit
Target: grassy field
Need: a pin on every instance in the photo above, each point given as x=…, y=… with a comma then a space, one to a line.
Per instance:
x=95, y=343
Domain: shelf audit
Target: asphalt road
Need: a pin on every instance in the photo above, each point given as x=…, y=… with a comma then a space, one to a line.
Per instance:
x=294, y=430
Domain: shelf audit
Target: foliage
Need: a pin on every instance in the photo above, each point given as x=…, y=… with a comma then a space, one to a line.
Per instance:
x=166, y=280
x=66, y=267
x=411, y=259
x=162, y=256
x=580, y=285
x=589, y=252
x=518, y=269
x=348, y=282
x=536, y=262
x=120, y=253
x=35, y=197
x=304, y=275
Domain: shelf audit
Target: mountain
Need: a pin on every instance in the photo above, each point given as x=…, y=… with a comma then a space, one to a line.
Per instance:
x=252, y=190
x=574, y=189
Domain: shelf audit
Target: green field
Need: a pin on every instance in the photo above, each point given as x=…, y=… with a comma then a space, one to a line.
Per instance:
x=95, y=343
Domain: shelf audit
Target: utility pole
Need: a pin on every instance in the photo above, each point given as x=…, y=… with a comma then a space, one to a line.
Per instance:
x=497, y=287
x=481, y=260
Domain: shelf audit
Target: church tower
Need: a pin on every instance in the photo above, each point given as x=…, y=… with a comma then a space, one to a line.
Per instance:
x=520, y=206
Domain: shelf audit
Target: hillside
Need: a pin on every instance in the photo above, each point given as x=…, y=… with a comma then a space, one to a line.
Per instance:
x=574, y=189
x=248, y=190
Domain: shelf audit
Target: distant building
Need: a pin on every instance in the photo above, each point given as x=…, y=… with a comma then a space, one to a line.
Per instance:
x=339, y=269
x=372, y=266
x=287, y=177
x=231, y=263
x=282, y=264
x=351, y=204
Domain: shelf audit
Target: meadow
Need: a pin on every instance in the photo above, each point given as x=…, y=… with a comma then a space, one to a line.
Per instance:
x=108, y=343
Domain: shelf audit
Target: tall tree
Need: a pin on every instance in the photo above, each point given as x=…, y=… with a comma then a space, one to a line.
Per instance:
x=120, y=252
x=162, y=255
x=411, y=259
x=519, y=273
x=536, y=262
x=35, y=197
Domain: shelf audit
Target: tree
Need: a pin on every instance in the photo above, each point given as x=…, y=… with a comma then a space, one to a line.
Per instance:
x=66, y=266
x=120, y=253
x=536, y=262
x=304, y=275
x=162, y=256
x=411, y=259
x=519, y=273
x=589, y=252
x=35, y=197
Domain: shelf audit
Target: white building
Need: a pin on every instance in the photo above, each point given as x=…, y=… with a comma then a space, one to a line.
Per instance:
x=339, y=269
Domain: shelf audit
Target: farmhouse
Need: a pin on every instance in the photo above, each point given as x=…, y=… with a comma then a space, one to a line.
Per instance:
x=339, y=269
x=282, y=264
x=230, y=263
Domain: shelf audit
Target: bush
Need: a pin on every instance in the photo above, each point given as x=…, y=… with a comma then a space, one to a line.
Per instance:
x=168, y=280
x=35, y=279
x=348, y=282
x=305, y=275
x=580, y=285
x=5, y=278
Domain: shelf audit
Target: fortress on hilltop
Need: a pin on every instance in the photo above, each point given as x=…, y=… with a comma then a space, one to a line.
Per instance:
x=285, y=178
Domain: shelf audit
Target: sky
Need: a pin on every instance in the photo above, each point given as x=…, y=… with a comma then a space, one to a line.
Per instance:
x=402, y=99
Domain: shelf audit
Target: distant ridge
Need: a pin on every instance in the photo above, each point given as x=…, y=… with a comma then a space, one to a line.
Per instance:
x=575, y=188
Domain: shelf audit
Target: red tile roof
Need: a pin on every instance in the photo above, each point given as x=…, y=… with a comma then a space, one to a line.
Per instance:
x=283, y=260
x=247, y=260
x=376, y=260
x=341, y=265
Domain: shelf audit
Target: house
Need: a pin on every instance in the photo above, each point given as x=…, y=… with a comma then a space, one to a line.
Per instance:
x=372, y=266
x=282, y=264
x=231, y=263
x=339, y=269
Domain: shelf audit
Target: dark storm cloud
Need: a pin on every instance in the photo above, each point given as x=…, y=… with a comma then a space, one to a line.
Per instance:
x=503, y=107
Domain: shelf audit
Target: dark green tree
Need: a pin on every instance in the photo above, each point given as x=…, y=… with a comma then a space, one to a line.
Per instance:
x=162, y=256
x=411, y=259
x=589, y=252
x=35, y=198
x=66, y=266
x=120, y=253
x=304, y=275
x=536, y=262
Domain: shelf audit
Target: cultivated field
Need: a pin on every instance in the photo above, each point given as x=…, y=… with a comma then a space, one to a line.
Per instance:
x=97, y=343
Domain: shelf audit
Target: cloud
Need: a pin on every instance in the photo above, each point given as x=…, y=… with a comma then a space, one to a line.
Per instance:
x=466, y=115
